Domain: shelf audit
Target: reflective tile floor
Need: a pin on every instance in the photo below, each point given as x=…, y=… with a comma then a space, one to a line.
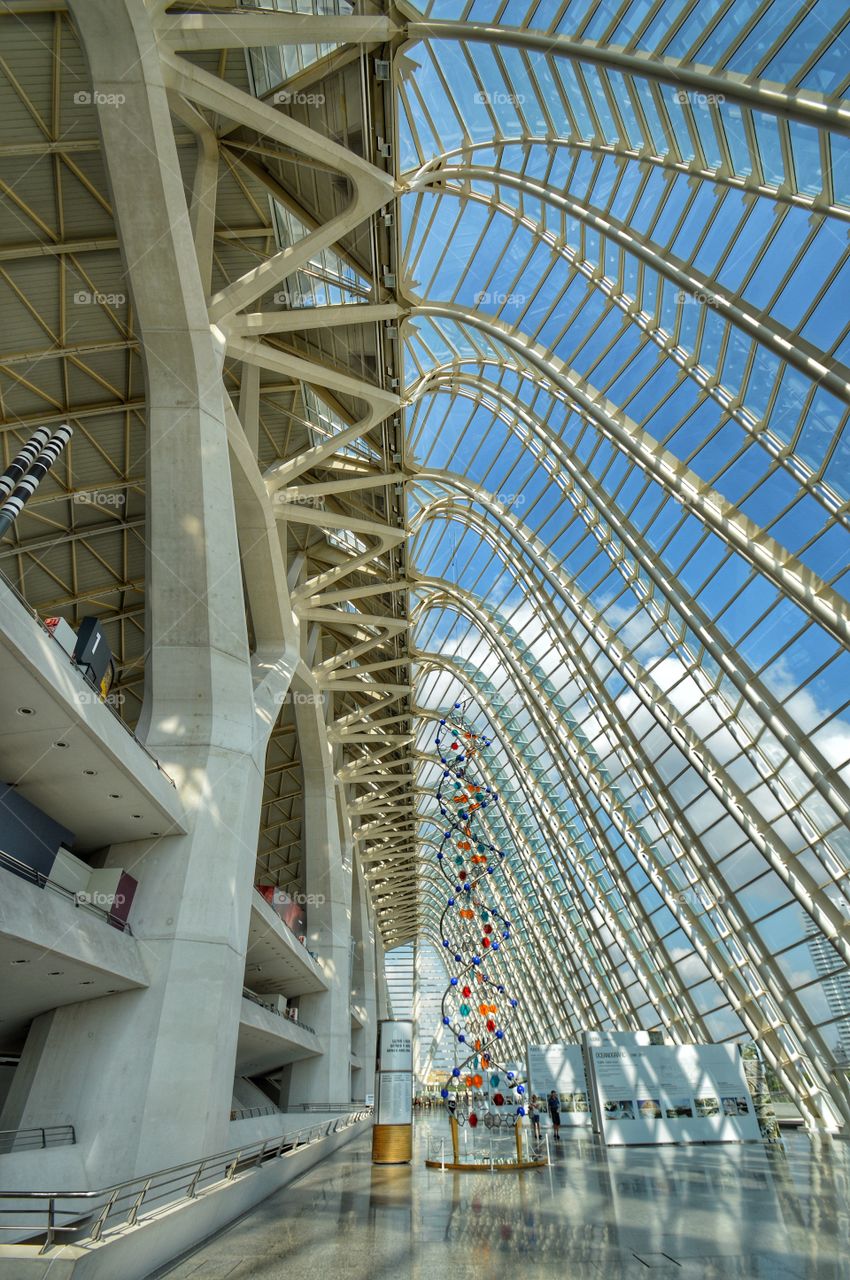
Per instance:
x=699, y=1213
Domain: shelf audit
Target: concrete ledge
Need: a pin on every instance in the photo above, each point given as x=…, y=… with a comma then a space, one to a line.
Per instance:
x=133, y=1253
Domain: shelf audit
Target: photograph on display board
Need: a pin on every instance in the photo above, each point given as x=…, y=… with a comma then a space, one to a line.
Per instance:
x=620, y=1109
x=735, y=1106
x=649, y=1108
x=681, y=1109
x=707, y=1106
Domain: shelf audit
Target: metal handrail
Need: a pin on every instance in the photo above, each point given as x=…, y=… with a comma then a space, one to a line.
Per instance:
x=94, y=1209
x=54, y=1135
x=329, y=1107
x=250, y=1113
x=26, y=872
x=21, y=600
x=296, y=1022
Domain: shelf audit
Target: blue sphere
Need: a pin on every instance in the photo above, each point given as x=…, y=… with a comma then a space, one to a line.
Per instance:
x=462, y=1039
x=475, y=960
x=501, y=990
x=457, y=706
x=442, y=722
x=520, y=1088
x=451, y=902
x=446, y=1022
x=455, y=1072
x=445, y=942
x=499, y=1035
x=459, y=959
x=454, y=982
x=439, y=857
x=444, y=1093
x=510, y=1075
x=520, y=1111
x=495, y=946
x=513, y=1004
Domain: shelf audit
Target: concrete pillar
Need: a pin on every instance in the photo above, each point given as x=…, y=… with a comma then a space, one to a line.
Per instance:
x=328, y=886
x=146, y=1076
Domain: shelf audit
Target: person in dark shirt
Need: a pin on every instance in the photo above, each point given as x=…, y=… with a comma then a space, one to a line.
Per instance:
x=554, y=1105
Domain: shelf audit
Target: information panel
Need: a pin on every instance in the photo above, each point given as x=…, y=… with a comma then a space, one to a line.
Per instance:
x=560, y=1067
x=649, y=1093
x=395, y=1091
x=395, y=1049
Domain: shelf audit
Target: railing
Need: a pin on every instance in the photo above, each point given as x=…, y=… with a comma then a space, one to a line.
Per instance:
x=249, y=1113
x=16, y=593
x=82, y=1217
x=264, y=1004
x=330, y=1107
x=55, y=1135
x=27, y=872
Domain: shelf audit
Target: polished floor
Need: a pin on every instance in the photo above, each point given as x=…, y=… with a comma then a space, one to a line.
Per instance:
x=706, y=1212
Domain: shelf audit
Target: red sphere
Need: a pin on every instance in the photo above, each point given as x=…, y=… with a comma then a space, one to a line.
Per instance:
x=485, y=942
x=488, y=928
x=467, y=991
x=491, y=1026
x=473, y=1119
x=498, y=1099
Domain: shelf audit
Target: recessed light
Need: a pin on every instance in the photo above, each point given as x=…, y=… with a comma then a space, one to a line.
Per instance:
x=26, y=711
x=155, y=833
x=135, y=815
x=90, y=773
x=19, y=962
x=87, y=982
x=113, y=795
x=56, y=973
x=62, y=744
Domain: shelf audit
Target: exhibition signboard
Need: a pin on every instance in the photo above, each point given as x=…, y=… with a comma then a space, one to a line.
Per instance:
x=647, y=1093
x=391, y=1136
x=560, y=1067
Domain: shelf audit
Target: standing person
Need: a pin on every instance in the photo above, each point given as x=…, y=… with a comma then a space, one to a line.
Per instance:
x=554, y=1104
x=534, y=1112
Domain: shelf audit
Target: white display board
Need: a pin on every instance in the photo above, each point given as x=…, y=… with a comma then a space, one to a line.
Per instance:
x=648, y=1093
x=395, y=1047
x=560, y=1067
x=395, y=1072
x=395, y=1094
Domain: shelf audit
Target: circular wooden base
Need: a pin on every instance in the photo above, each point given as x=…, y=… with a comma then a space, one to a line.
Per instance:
x=392, y=1143
x=506, y=1166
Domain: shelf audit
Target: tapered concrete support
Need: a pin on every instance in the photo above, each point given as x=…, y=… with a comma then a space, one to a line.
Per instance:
x=364, y=993
x=328, y=888
x=146, y=1076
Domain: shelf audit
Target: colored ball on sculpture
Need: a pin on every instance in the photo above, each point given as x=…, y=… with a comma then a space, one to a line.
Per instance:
x=455, y=1071
x=499, y=1099
x=477, y=1081
x=488, y=928
x=494, y=1080
x=491, y=1026
x=444, y=1093
x=500, y=1035
x=482, y=1009
x=464, y=1010
x=468, y=1082
x=467, y=991
x=454, y=982
x=446, y=1022
x=520, y=1111
x=485, y=942
x=473, y=1119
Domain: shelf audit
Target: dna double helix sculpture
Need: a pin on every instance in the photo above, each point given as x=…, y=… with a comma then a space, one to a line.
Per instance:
x=476, y=1007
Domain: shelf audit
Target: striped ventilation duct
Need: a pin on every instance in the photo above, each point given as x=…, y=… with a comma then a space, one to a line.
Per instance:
x=32, y=463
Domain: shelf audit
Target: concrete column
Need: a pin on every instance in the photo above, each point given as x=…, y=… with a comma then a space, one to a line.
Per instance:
x=328, y=888
x=146, y=1076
